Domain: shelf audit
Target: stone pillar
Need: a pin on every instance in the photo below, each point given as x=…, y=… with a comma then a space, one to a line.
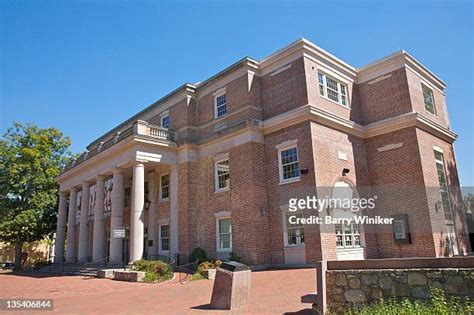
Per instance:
x=83, y=253
x=137, y=213
x=116, y=217
x=71, y=227
x=99, y=232
x=174, y=211
x=152, y=216
x=61, y=229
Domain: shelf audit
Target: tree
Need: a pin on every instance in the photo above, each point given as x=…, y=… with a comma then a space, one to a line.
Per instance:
x=30, y=159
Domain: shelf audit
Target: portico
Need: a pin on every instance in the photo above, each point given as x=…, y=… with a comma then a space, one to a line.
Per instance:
x=115, y=188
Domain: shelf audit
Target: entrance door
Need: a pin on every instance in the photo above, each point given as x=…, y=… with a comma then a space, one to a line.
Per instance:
x=349, y=235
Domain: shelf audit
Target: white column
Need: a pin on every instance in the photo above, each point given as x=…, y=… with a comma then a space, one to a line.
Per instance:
x=152, y=215
x=83, y=253
x=174, y=211
x=99, y=232
x=137, y=212
x=71, y=227
x=116, y=217
x=60, y=229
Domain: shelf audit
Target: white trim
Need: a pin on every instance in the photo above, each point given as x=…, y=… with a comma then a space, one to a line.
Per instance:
x=169, y=187
x=216, y=175
x=342, y=155
x=286, y=144
x=423, y=84
x=339, y=82
x=285, y=229
x=280, y=70
x=217, y=94
x=390, y=147
x=162, y=116
x=436, y=148
x=281, y=148
x=218, y=240
x=159, y=238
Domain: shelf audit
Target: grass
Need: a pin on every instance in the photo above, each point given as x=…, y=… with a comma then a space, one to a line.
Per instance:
x=438, y=304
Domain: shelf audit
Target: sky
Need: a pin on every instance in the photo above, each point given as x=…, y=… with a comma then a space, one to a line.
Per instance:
x=85, y=66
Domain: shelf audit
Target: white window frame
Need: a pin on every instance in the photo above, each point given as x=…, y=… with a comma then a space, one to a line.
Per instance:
x=162, y=117
x=283, y=147
x=216, y=175
x=352, y=236
x=223, y=215
x=217, y=94
x=448, y=213
x=161, y=186
x=286, y=227
x=325, y=88
x=423, y=85
x=160, y=250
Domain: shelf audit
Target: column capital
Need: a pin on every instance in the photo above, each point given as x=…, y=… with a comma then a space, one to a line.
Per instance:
x=73, y=190
x=118, y=170
x=139, y=162
x=86, y=184
x=100, y=178
x=62, y=193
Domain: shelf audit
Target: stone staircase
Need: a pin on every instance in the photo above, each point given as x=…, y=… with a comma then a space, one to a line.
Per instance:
x=75, y=269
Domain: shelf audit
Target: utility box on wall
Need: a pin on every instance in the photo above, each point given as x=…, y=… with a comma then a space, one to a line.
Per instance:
x=231, y=287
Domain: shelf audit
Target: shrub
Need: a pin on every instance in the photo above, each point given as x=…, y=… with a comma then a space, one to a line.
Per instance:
x=234, y=257
x=210, y=264
x=196, y=276
x=438, y=304
x=198, y=254
x=154, y=270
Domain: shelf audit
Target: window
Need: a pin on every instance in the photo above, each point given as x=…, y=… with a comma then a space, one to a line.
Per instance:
x=429, y=99
x=164, y=238
x=294, y=232
x=401, y=230
x=224, y=235
x=333, y=89
x=443, y=186
x=222, y=175
x=165, y=121
x=165, y=187
x=220, y=105
x=347, y=235
x=289, y=164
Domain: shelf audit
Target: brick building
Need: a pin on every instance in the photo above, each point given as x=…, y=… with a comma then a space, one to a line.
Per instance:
x=214, y=164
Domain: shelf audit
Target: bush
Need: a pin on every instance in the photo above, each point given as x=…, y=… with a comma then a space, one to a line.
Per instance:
x=234, y=257
x=437, y=305
x=198, y=254
x=210, y=264
x=154, y=270
x=196, y=276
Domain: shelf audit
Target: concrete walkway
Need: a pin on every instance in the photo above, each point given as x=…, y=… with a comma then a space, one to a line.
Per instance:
x=273, y=292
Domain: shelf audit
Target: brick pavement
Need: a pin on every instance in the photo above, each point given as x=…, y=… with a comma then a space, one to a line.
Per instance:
x=273, y=292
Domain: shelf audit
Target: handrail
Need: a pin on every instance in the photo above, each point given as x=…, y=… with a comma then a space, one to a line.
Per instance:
x=186, y=269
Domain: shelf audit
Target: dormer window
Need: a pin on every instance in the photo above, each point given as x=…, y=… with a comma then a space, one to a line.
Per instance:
x=165, y=121
x=333, y=89
x=220, y=104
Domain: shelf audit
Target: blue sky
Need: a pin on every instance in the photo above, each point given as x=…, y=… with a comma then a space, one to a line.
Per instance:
x=85, y=66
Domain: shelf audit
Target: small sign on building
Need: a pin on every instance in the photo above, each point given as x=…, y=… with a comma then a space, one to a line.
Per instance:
x=119, y=232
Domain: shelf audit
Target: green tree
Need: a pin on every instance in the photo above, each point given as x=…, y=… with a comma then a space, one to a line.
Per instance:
x=30, y=159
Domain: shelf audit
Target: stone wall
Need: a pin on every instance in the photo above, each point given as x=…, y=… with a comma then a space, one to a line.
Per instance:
x=346, y=287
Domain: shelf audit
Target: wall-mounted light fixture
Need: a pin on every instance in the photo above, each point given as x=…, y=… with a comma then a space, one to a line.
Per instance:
x=304, y=171
x=345, y=171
